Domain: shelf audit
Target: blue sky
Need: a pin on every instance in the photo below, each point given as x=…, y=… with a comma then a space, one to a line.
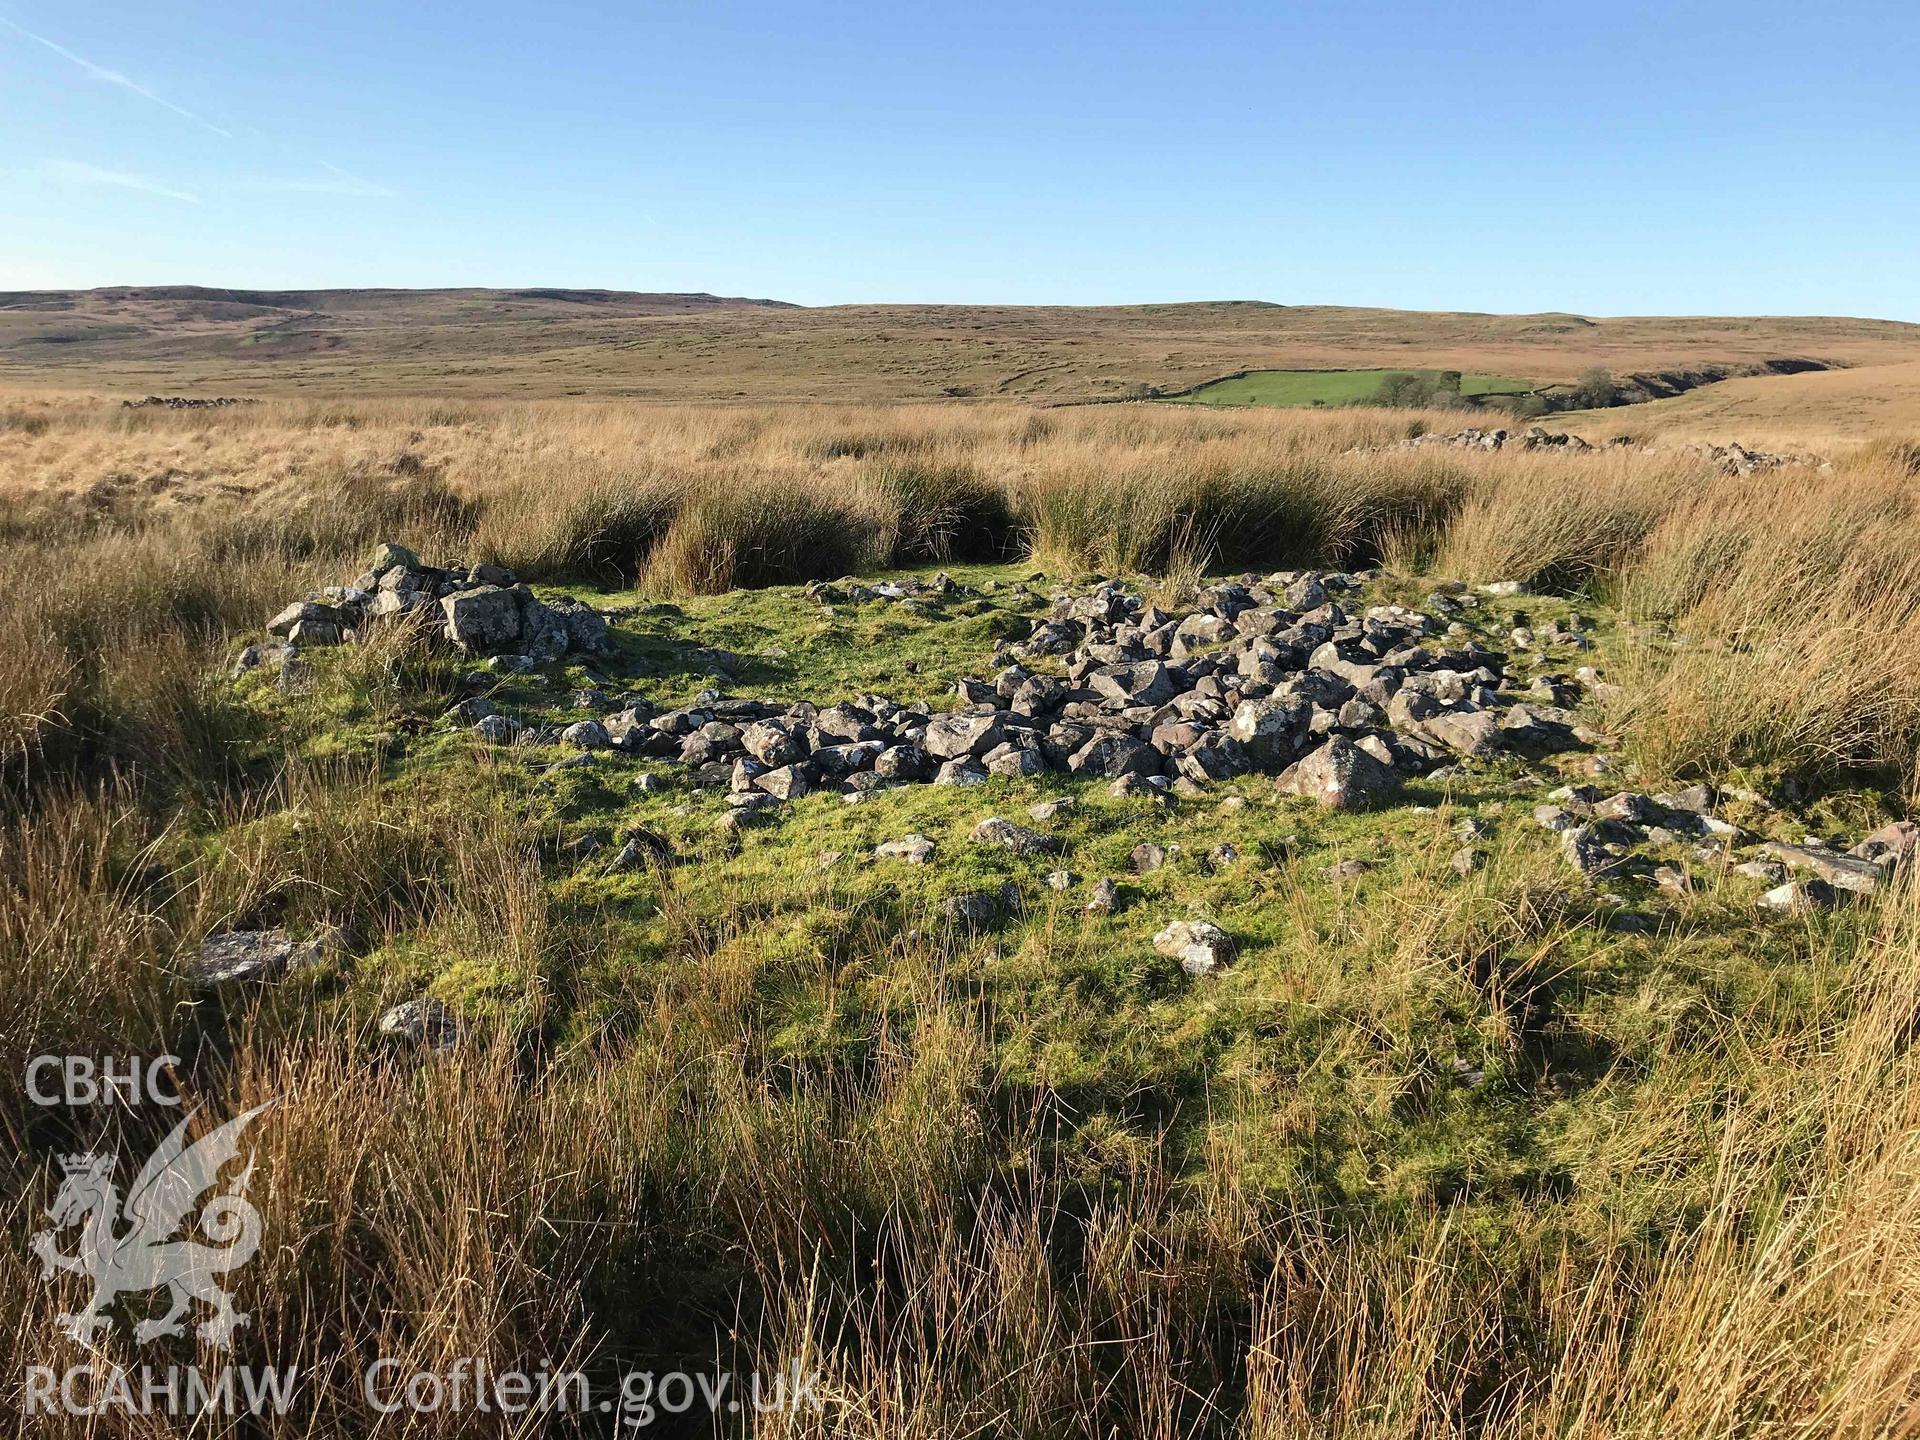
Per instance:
x=1692, y=158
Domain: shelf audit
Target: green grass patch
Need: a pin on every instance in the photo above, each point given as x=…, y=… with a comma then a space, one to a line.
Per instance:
x=1299, y=388
x=1326, y=1059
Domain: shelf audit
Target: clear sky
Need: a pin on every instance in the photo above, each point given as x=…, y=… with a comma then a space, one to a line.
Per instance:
x=1611, y=158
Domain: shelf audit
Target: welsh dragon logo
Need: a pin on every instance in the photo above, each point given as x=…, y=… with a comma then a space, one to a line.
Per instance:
x=149, y=1255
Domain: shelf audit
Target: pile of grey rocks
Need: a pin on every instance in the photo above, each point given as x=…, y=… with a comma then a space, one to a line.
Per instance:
x=907, y=593
x=1734, y=458
x=1534, y=437
x=479, y=609
x=183, y=402
x=1607, y=837
x=1270, y=675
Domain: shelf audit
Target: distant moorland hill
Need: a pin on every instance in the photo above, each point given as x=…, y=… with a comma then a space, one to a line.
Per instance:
x=550, y=342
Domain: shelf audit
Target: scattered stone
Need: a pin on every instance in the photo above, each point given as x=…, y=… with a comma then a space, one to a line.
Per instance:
x=483, y=619
x=1590, y=850
x=1891, y=846
x=1148, y=857
x=185, y=402
x=914, y=849
x=1734, y=458
x=1672, y=880
x=745, y=805
x=424, y=1023
x=1200, y=946
x=1340, y=775
x=587, y=735
x=1259, y=674
x=642, y=847
x=1844, y=872
x=1534, y=437
x=261, y=657
x=960, y=772
x=1472, y=733
x=1104, y=898
x=482, y=610
x=1798, y=895
x=1344, y=870
x=978, y=910
x=788, y=782
x=498, y=729
x=256, y=956
x=959, y=736
x=1009, y=836
x=1268, y=731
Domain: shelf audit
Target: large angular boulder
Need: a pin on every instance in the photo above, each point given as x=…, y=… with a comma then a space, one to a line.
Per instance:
x=902, y=763
x=1473, y=733
x=1340, y=775
x=1200, y=946
x=1269, y=732
x=1110, y=754
x=1020, y=839
x=543, y=634
x=1213, y=757
x=961, y=736
x=962, y=772
x=771, y=743
x=787, y=782
x=304, y=618
x=1147, y=683
x=586, y=627
x=483, y=619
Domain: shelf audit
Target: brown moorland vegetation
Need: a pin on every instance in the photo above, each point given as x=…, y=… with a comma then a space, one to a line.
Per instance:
x=544, y=343
x=747, y=1116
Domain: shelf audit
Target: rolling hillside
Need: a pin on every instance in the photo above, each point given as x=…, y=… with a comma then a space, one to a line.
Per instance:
x=552, y=342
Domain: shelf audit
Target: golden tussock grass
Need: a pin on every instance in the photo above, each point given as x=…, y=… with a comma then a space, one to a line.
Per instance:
x=1787, y=581
x=1738, y=1256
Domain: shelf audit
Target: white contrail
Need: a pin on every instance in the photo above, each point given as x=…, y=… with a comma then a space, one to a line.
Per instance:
x=114, y=77
x=81, y=173
x=345, y=183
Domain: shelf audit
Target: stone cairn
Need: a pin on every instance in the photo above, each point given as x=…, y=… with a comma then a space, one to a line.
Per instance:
x=1534, y=437
x=481, y=610
x=1732, y=458
x=1272, y=676
x=183, y=402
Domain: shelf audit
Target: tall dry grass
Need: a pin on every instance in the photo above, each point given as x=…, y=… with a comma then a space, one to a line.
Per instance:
x=1790, y=594
x=905, y=1223
x=933, y=1258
